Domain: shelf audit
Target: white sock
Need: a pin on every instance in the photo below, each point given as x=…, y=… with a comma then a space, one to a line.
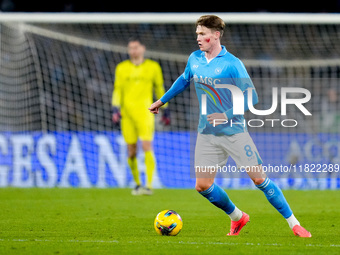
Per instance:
x=236, y=215
x=292, y=221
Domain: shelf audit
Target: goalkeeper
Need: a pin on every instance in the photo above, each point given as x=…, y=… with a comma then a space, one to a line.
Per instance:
x=135, y=81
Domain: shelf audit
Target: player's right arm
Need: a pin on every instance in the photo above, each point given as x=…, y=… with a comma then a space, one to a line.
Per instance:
x=242, y=80
x=177, y=87
x=117, y=95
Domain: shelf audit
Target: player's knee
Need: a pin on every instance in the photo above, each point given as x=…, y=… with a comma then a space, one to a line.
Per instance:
x=132, y=153
x=258, y=181
x=202, y=186
x=199, y=188
x=132, y=150
x=146, y=145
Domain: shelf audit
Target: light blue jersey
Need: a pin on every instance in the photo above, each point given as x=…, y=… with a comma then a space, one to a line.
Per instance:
x=225, y=68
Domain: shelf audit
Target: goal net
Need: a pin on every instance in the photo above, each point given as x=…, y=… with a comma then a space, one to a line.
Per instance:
x=56, y=82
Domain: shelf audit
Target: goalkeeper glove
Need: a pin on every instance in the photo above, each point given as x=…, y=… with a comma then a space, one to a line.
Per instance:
x=116, y=115
x=166, y=117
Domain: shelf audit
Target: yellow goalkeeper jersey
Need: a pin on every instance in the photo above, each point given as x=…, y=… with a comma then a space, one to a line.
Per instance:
x=134, y=87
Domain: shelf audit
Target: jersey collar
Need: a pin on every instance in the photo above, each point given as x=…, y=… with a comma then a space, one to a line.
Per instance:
x=222, y=52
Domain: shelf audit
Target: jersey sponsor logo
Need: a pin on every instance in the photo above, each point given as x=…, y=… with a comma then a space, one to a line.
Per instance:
x=206, y=80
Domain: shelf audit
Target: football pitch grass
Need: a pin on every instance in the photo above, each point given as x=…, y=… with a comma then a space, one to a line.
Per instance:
x=112, y=221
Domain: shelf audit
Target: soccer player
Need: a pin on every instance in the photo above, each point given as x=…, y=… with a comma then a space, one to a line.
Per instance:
x=136, y=79
x=211, y=65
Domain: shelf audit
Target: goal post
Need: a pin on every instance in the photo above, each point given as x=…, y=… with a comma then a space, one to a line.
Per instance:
x=171, y=18
x=56, y=82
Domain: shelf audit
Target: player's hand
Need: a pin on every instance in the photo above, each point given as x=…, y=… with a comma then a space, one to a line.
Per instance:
x=116, y=115
x=166, y=117
x=154, y=108
x=216, y=119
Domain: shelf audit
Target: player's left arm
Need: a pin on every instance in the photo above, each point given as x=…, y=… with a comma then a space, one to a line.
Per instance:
x=242, y=80
x=229, y=113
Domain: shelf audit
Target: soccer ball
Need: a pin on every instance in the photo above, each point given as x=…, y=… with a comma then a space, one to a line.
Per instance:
x=168, y=223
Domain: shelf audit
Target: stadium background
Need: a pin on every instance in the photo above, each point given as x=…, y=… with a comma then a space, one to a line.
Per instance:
x=57, y=81
x=175, y=6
